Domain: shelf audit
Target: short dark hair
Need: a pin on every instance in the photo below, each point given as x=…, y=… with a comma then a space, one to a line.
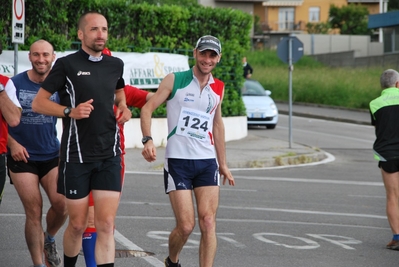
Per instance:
x=82, y=18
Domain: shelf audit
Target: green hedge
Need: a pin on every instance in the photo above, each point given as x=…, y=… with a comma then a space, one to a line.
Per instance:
x=141, y=28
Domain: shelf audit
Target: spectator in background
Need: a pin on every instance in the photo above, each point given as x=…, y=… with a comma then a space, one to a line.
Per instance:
x=10, y=113
x=247, y=68
x=384, y=116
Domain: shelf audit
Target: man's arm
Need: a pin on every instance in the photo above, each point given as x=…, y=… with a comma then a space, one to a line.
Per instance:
x=18, y=152
x=149, y=95
x=43, y=105
x=9, y=105
x=161, y=95
x=123, y=114
x=220, y=147
x=10, y=112
x=136, y=97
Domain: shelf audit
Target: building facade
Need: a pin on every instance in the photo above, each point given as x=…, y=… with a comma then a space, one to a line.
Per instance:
x=278, y=16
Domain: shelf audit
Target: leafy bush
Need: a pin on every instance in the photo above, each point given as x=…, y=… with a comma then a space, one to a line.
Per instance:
x=141, y=28
x=350, y=19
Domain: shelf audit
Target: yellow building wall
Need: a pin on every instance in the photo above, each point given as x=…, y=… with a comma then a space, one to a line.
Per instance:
x=302, y=12
x=269, y=14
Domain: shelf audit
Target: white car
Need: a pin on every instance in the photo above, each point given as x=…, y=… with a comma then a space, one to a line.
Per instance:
x=261, y=109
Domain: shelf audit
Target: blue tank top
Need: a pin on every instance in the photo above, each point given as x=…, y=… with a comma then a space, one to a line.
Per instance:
x=36, y=132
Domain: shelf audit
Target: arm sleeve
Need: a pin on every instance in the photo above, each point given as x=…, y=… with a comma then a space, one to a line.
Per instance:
x=12, y=93
x=56, y=78
x=135, y=97
x=372, y=118
x=121, y=82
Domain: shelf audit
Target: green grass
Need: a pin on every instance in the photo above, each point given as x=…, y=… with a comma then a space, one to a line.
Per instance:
x=313, y=82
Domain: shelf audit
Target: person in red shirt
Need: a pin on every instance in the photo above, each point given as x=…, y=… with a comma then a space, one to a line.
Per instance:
x=10, y=114
x=135, y=97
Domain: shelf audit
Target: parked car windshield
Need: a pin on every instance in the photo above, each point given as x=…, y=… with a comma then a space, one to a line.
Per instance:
x=252, y=88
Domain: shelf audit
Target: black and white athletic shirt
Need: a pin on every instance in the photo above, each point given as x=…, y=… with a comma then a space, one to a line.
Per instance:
x=78, y=78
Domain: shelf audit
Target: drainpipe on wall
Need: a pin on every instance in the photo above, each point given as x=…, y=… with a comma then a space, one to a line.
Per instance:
x=380, y=39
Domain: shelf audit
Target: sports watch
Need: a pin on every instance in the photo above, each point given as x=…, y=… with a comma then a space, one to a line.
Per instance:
x=67, y=111
x=145, y=139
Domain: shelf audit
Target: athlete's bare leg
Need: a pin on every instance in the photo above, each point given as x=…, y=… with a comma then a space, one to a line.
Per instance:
x=183, y=208
x=207, y=198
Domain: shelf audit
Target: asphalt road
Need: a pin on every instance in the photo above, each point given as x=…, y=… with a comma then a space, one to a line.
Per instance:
x=329, y=214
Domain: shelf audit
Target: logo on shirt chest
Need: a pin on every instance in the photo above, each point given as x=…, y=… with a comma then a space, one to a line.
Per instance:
x=189, y=97
x=83, y=73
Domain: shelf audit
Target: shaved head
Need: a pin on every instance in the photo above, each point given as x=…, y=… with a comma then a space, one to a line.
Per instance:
x=42, y=44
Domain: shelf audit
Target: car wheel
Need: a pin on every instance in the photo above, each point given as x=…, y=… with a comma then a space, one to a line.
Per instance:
x=270, y=126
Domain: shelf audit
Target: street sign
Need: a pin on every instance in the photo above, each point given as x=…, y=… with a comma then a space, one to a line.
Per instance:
x=290, y=50
x=283, y=49
x=18, y=21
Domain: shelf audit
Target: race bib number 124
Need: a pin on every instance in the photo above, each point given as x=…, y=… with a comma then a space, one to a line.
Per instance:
x=193, y=123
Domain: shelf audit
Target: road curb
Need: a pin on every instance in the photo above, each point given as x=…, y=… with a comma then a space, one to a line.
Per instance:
x=279, y=161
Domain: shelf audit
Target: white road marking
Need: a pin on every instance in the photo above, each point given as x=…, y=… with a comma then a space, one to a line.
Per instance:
x=366, y=196
x=237, y=190
x=305, y=180
x=297, y=180
x=328, y=159
x=260, y=221
x=131, y=246
x=360, y=215
x=307, y=212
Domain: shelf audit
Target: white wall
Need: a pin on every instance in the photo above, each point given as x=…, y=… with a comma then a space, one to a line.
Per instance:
x=314, y=44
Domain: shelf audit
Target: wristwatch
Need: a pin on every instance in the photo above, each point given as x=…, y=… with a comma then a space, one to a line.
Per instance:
x=67, y=111
x=145, y=139
x=2, y=88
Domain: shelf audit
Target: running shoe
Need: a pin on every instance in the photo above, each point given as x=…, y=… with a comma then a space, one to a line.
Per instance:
x=167, y=263
x=51, y=256
x=394, y=245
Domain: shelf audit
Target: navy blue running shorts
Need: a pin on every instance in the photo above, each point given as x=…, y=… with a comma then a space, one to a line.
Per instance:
x=187, y=174
x=76, y=180
x=389, y=166
x=40, y=168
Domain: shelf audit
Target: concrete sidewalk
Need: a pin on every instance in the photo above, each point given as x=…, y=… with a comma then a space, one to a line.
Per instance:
x=256, y=152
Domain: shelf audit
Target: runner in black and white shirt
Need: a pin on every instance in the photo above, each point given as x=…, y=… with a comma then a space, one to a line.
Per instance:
x=88, y=84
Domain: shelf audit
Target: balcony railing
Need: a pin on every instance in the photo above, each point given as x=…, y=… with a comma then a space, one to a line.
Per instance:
x=282, y=26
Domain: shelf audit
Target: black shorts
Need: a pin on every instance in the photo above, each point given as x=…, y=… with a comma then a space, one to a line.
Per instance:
x=2, y=174
x=2, y=167
x=187, y=174
x=40, y=168
x=76, y=180
x=389, y=166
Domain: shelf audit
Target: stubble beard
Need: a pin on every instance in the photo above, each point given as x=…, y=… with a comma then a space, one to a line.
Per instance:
x=97, y=48
x=41, y=72
x=200, y=69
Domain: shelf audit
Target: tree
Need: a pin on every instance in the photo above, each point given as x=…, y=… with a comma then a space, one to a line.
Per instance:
x=318, y=28
x=393, y=5
x=185, y=3
x=350, y=19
